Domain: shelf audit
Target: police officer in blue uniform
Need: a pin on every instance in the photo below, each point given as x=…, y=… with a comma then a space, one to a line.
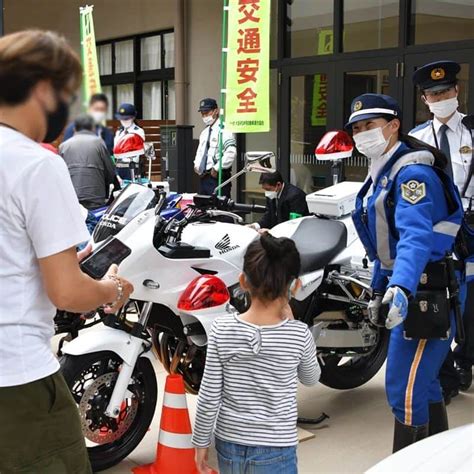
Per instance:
x=452, y=132
x=407, y=215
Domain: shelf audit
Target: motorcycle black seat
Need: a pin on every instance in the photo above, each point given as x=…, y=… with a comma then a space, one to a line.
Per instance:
x=318, y=242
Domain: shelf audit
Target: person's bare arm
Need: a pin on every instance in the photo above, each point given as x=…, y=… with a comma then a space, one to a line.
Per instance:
x=70, y=289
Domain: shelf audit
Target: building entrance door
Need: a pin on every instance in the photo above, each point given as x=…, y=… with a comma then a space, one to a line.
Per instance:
x=307, y=95
x=378, y=75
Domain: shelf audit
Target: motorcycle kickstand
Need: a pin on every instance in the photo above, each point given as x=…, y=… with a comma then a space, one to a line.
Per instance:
x=312, y=421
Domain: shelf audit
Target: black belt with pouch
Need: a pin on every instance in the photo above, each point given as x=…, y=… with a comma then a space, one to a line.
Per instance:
x=429, y=311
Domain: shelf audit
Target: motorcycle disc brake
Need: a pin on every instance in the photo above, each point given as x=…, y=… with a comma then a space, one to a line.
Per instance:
x=96, y=425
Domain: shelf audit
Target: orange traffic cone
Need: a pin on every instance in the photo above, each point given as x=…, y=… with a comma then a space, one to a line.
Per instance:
x=175, y=452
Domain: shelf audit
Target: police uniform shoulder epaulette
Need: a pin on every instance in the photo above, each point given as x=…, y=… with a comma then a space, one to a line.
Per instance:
x=421, y=126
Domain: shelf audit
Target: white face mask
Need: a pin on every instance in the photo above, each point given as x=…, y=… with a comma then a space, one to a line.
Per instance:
x=271, y=194
x=444, y=108
x=209, y=120
x=99, y=117
x=126, y=123
x=371, y=143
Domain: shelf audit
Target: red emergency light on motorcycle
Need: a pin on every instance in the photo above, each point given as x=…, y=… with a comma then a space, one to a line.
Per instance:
x=334, y=145
x=206, y=291
x=129, y=145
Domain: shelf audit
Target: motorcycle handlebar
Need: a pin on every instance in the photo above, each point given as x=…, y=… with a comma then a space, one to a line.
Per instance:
x=248, y=207
x=225, y=204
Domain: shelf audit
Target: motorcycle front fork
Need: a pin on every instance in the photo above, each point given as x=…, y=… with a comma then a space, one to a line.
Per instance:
x=135, y=349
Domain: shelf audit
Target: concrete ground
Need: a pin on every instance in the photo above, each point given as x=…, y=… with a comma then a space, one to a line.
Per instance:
x=357, y=435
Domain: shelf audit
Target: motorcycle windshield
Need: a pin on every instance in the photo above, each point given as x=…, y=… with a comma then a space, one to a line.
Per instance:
x=133, y=200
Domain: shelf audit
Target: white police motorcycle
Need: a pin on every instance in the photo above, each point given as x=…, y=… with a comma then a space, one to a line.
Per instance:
x=185, y=273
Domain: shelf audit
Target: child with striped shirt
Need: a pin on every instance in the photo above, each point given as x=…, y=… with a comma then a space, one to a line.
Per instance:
x=254, y=361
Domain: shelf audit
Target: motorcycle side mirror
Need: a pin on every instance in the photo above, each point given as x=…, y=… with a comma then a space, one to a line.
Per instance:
x=161, y=195
x=149, y=151
x=335, y=145
x=260, y=161
x=256, y=161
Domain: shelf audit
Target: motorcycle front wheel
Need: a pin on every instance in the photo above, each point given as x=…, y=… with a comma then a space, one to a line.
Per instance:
x=91, y=379
x=342, y=373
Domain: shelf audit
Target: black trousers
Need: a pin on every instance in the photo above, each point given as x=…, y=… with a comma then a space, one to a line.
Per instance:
x=208, y=184
x=463, y=354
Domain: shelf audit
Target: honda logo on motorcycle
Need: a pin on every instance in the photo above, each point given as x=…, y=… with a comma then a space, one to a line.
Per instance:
x=224, y=245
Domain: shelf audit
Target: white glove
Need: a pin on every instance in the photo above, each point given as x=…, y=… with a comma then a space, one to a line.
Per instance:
x=374, y=309
x=398, y=311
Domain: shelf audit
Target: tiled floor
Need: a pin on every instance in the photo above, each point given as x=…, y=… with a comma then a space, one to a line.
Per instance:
x=357, y=435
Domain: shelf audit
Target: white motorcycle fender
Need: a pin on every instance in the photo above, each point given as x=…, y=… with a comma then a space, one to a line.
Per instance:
x=107, y=339
x=309, y=283
x=205, y=317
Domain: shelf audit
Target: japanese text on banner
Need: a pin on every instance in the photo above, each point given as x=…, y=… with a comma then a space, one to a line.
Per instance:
x=91, y=84
x=248, y=67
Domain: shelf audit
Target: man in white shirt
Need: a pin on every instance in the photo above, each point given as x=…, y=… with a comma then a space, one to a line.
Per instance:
x=448, y=131
x=206, y=162
x=40, y=430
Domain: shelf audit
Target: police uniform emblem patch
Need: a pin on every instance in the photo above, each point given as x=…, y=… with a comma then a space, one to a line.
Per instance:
x=437, y=74
x=413, y=191
x=357, y=106
x=122, y=111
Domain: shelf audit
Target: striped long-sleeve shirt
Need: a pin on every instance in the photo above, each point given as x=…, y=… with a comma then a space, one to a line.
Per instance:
x=250, y=382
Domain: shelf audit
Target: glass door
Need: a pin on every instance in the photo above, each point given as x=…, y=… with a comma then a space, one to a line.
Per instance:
x=307, y=93
x=415, y=111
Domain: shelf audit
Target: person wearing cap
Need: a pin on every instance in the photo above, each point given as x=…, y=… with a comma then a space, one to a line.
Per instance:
x=127, y=114
x=450, y=132
x=206, y=162
x=446, y=130
x=405, y=213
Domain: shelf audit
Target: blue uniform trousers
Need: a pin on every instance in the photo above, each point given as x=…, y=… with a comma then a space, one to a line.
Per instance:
x=412, y=375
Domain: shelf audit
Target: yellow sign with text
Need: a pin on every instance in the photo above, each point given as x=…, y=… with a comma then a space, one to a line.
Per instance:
x=91, y=79
x=247, y=107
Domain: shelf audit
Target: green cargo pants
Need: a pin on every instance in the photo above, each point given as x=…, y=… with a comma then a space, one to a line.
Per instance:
x=40, y=430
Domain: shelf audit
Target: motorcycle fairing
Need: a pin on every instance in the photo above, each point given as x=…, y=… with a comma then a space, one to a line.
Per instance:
x=104, y=338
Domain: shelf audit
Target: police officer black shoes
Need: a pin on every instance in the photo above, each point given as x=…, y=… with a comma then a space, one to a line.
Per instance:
x=449, y=394
x=438, y=418
x=404, y=435
x=465, y=377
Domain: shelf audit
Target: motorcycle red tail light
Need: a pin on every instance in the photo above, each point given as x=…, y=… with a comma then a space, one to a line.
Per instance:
x=334, y=145
x=206, y=291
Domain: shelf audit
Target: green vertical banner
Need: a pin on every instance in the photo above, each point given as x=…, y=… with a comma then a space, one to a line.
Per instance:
x=247, y=107
x=320, y=84
x=91, y=80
